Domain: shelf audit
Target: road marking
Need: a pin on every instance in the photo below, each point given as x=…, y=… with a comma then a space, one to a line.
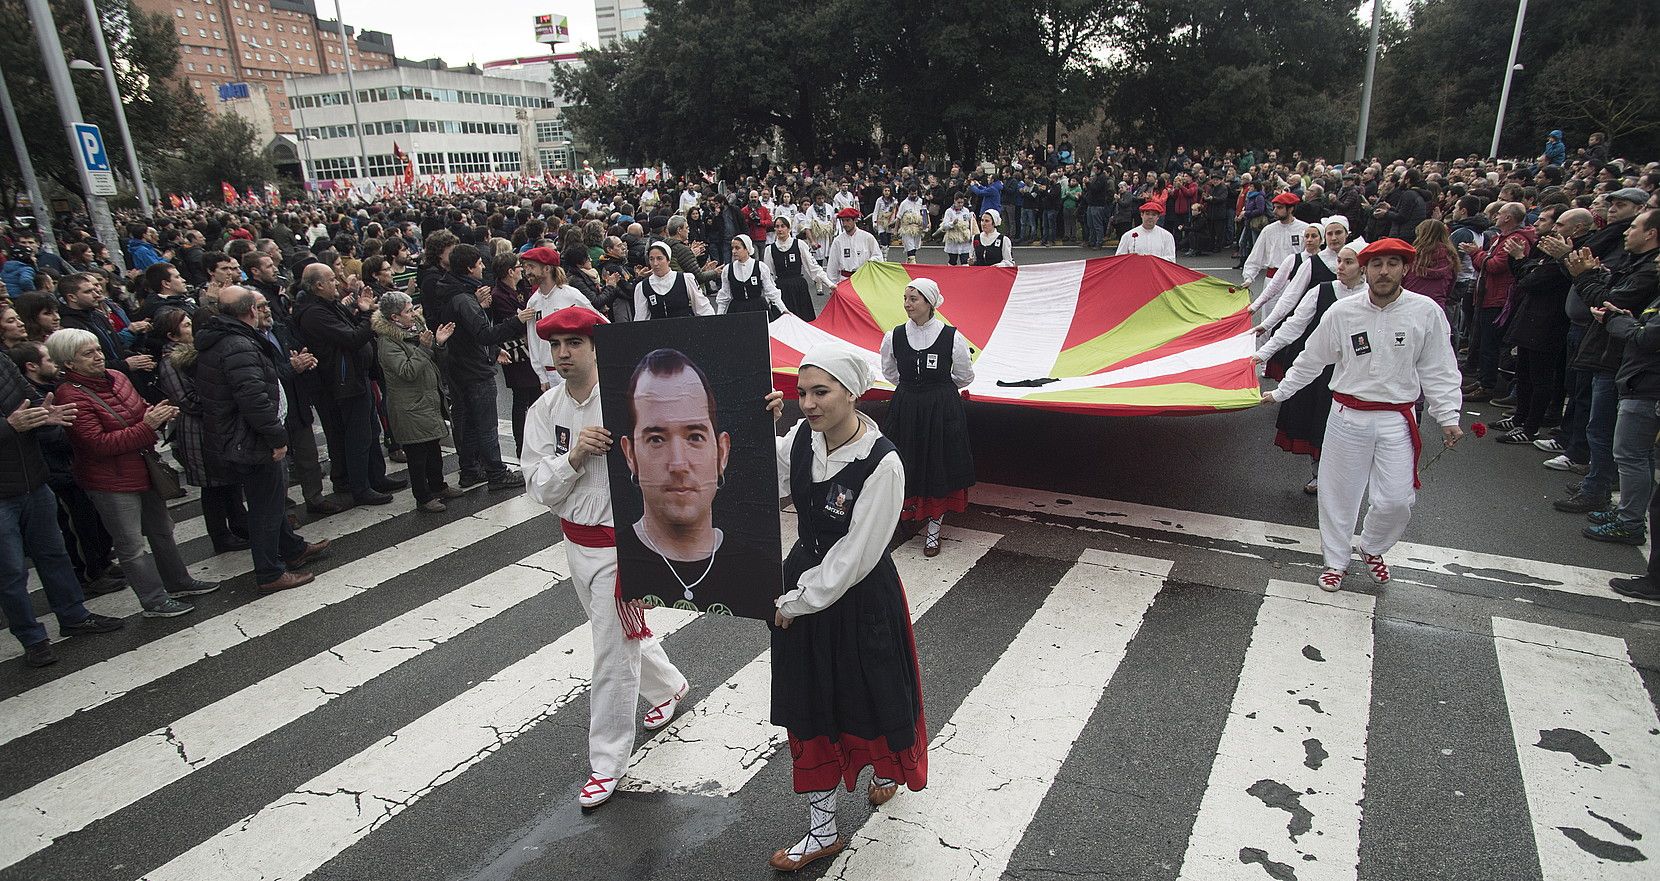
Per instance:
x=295, y=834
x=40, y=815
x=1285, y=789
x=736, y=714
x=1494, y=568
x=992, y=763
x=1589, y=744
x=107, y=680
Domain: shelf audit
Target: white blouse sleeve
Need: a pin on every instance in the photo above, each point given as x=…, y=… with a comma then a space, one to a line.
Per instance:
x=769, y=287
x=549, y=476
x=1292, y=293
x=723, y=297
x=890, y=365
x=852, y=557
x=700, y=302
x=784, y=444
x=1272, y=290
x=642, y=311
x=1293, y=326
x=811, y=268
x=1008, y=253
x=962, y=364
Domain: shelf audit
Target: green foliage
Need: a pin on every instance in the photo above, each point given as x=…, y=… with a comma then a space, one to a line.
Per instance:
x=227, y=149
x=161, y=111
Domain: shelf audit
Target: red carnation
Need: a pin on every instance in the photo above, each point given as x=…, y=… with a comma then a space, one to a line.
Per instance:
x=1479, y=429
x=1135, y=235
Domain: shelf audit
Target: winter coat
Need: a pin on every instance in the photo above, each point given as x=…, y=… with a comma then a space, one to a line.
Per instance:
x=343, y=343
x=176, y=376
x=1639, y=374
x=471, y=352
x=19, y=277
x=414, y=404
x=518, y=371
x=1497, y=278
x=22, y=466
x=109, y=447
x=1537, y=321
x=238, y=380
x=1631, y=286
x=1434, y=281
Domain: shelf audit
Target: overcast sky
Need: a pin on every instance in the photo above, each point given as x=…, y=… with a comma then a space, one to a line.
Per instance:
x=482, y=30
x=489, y=30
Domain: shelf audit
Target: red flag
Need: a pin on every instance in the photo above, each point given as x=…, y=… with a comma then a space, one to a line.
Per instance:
x=174, y=200
x=229, y=192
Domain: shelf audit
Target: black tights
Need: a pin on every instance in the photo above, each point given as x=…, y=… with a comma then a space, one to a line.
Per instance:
x=956, y=259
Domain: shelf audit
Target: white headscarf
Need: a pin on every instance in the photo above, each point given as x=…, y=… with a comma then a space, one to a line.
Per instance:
x=840, y=361
x=1338, y=219
x=749, y=243
x=996, y=216
x=929, y=290
x=1358, y=245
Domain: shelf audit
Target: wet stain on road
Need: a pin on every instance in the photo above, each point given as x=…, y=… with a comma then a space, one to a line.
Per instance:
x=1575, y=743
x=1258, y=856
x=1314, y=753
x=1275, y=794
x=1313, y=654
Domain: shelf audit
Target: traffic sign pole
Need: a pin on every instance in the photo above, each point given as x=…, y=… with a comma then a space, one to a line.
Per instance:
x=120, y=109
x=69, y=110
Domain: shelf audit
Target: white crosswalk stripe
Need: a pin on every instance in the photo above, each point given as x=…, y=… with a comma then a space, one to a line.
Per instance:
x=1282, y=797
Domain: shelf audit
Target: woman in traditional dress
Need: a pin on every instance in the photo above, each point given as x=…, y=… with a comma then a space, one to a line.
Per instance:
x=929, y=363
x=746, y=284
x=1301, y=422
x=992, y=248
x=845, y=680
x=793, y=266
x=913, y=223
x=956, y=228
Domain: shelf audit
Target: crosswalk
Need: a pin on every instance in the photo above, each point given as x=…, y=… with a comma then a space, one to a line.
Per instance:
x=419, y=712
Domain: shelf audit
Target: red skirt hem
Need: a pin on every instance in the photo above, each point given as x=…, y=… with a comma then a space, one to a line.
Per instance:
x=919, y=508
x=1296, y=445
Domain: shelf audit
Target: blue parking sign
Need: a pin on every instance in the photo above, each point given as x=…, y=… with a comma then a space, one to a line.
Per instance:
x=94, y=159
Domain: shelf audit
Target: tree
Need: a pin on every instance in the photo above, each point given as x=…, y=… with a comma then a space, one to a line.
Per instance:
x=161, y=110
x=1607, y=87
x=226, y=150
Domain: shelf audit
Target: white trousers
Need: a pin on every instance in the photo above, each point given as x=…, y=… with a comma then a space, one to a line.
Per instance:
x=1364, y=450
x=625, y=670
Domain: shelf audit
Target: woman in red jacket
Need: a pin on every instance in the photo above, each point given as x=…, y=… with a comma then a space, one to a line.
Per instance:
x=109, y=444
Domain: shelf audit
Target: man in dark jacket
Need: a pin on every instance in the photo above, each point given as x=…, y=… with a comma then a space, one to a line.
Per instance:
x=1629, y=287
x=243, y=414
x=1638, y=379
x=29, y=528
x=82, y=294
x=340, y=336
x=471, y=368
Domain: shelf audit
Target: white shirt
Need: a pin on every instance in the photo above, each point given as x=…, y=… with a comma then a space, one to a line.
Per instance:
x=661, y=286
x=912, y=206
x=921, y=336
x=810, y=269
x=546, y=303
x=1298, y=320
x=1155, y=242
x=885, y=207
x=742, y=272
x=1008, y=246
x=849, y=252
x=962, y=221
x=1389, y=355
x=1276, y=285
x=578, y=494
x=844, y=199
x=1277, y=241
x=688, y=198
x=875, y=515
x=1297, y=287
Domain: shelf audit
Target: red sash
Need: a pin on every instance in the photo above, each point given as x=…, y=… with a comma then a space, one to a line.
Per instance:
x=633, y=619
x=1271, y=270
x=1407, y=410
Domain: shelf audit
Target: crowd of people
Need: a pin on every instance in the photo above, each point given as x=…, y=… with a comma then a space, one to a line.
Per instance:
x=389, y=323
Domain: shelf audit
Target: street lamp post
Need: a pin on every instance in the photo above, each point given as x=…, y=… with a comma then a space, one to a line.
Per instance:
x=299, y=130
x=1366, y=87
x=97, y=27
x=1509, y=71
x=69, y=113
x=43, y=213
x=351, y=89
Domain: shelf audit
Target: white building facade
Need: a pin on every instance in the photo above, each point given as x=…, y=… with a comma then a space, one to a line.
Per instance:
x=451, y=122
x=619, y=19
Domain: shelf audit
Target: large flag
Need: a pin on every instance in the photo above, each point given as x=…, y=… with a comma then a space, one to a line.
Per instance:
x=408, y=164
x=1132, y=335
x=229, y=192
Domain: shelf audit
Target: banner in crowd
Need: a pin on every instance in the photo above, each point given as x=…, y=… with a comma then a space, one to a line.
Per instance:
x=694, y=480
x=1117, y=336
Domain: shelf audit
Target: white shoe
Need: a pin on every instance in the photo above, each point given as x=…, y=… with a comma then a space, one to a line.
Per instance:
x=1375, y=567
x=596, y=791
x=663, y=713
x=1549, y=445
x=1331, y=580
x=1560, y=463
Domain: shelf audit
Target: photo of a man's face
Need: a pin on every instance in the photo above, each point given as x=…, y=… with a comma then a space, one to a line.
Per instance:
x=694, y=484
x=675, y=452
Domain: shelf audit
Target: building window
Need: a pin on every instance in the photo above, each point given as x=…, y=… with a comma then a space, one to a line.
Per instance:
x=384, y=165
x=213, y=17
x=548, y=130
x=190, y=66
x=179, y=12
x=508, y=162
x=202, y=31
x=184, y=32
x=341, y=167
x=557, y=159
x=430, y=163
x=470, y=163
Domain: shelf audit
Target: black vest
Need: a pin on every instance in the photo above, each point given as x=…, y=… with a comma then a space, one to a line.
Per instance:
x=786, y=264
x=988, y=255
x=747, y=296
x=676, y=303
x=824, y=511
x=930, y=366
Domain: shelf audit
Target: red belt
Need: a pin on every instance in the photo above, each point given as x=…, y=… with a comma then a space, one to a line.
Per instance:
x=1407, y=410
x=846, y=274
x=633, y=619
x=1271, y=270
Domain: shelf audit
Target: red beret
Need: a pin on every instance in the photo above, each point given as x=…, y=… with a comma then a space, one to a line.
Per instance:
x=544, y=255
x=1152, y=206
x=1386, y=248
x=579, y=320
x=848, y=212
x=1286, y=198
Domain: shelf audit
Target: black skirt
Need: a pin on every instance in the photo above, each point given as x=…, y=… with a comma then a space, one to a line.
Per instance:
x=1302, y=418
x=797, y=298
x=928, y=425
x=846, y=686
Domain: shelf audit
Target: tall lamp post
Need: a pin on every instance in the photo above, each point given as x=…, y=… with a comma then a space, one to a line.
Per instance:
x=351, y=89
x=1366, y=86
x=299, y=130
x=1509, y=71
x=95, y=24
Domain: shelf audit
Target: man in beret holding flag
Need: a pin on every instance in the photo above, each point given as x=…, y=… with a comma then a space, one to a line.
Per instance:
x=1390, y=346
x=1149, y=237
x=1276, y=241
x=851, y=248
